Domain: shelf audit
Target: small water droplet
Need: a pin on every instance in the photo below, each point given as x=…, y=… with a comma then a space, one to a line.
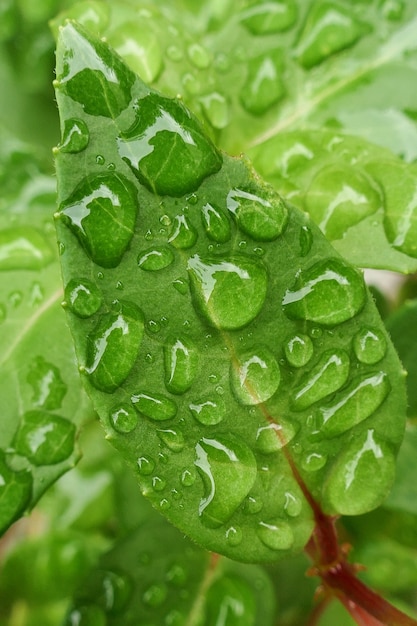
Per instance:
x=158, y=483
x=313, y=461
x=173, y=439
x=262, y=217
x=175, y=53
x=255, y=376
x=228, y=469
x=299, y=350
x=123, y=418
x=44, y=438
x=272, y=437
x=369, y=345
x=111, y=590
x=154, y=326
x=216, y=109
x=216, y=223
x=87, y=615
x=264, y=18
x=154, y=405
x=306, y=240
x=292, y=505
x=48, y=387
x=23, y=248
x=393, y=9
x=209, y=411
x=230, y=293
x=155, y=595
x=75, y=136
x=145, y=465
x=253, y=505
x=177, y=575
x=174, y=618
x=199, y=56
x=15, y=493
x=113, y=345
x=15, y=298
x=188, y=478
x=183, y=235
x=100, y=160
x=263, y=87
x=111, y=167
x=181, y=362
x=83, y=297
x=222, y=62
x=329, y=292
x=192, y=83
x=181, y=285
x=155, y=258
x=234, y=536
x=276, y=534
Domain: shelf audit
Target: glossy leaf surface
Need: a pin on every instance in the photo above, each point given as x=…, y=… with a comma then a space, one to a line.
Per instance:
x=199, y=387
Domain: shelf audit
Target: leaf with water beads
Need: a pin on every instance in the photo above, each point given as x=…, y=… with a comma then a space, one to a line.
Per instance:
x=245, y=377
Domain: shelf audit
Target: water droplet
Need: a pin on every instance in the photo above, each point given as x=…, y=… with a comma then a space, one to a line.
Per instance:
x=92, y=74
x=181, y=362
x=145, y=466
x=306, y=240
x=255, y=376
x=155, y=406
x=154, y=326
x=23, y=248
x=292, y=505
x=327, y=29
x=216, y=223
x=216, y=109
x=175, y=53
x=263, y=18
x=183, y=235
x=166, y=148
x=361, y=476
x=199, y=56
x=174, y=618
x=360, y=400
x=75, y=136
x=369, y=345
x=328, y=375
x=276, y=534
x=173, y=439
x=192, y=83
x=15, y=298
x=272, y=437
x=88, y=615
x=228, y=469
x=102, y=204
x=158, y=484
x=263, y=87
x=140, y=49
x=48, y=387
x=262, y=218
x=177, y=575
x=155, y=595
x=329, y=292
x=181, y=285
x=188, y=478
x=209, y=411
x=111, y=167
x=230, y=293
x=83, y=297
x=253, y=505
x=100, y=160
x=113, y=345
x=234, y=536
x=110, y=590
x=339, y=197
x=44, y=438
x=313, y=461
x=299, y=350
x=36, y=294
x=15, y=493
x=393, y=9
x=155, y=258
x=123, y=418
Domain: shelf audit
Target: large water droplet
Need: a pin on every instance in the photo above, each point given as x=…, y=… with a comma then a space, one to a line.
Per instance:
x=154, y=405
x=216, y=223
x=263, y=18
x=123, y=418
x=340, y=197
x=166, y=147
x=255, y=376
x=113, y=345
x=83, y=297
x=361, y=477
x=23, y=248
x=263, y=87
x=360, y=400
x=140, y=49
x=262, y=218
x=299, y=350
x=328, y=375
x=369, y=345
x=155, y=258
x=329, y=292
x=230, y=293
x=228, y=469
x=44, y=438
x=75, y=136
x=15, y=493
x=102, y=204
x=183, y=235
x=48, y=387
x=181, y=362
x=327, y=29
x=209, y=411
x=173, y=439
x=276, y=534
x=92, y=74
x=272, y=437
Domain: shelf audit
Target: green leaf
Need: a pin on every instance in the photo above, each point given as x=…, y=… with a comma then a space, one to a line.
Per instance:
x=219, y=362
x=42, y=399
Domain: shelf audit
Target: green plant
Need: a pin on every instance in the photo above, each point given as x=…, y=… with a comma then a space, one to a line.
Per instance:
x=235, y=358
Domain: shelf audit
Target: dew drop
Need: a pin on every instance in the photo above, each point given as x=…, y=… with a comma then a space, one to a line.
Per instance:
x=292, y=505
x=306, y=240
x=102, y=204
x=88, y=615
x=158, y=484
x=276, y=534
x=181, y=285
x=356, y=403
x=166, y=148
x=199, y=56
x=100, y=160
x=83, y=297
x=393, y=9
x=262, y=218
x=361, y=476
x=299, y=350
x=174, y=53
x=264, y=18
x=192, y=83
x=369, y=345
x=113, y=345
x=173, y=439
x=111, y=590
x=145, y=465
x=15, y=493
x=188, y=478
x=234, y=536
x=181, y=363
x=329, y=292
x=228, y=469
x=177, y=575
x=263, y=87
x=174, y=618
x=313, y=461
x=155, y=258
x=216, y=223
x=48, y=387
x=209, y=411
x=23, y=248
x=44, y=438
x=328, y=375
x=140, y=49
x=155, y=406
x=253, y=505
x=229, y=293
x=216, y=109
x=255, y=376
x=183, y=235
x=15, y=298
x=75, y=136
x=272, y=437
x=154, y=326
x=123, y=418
x=155, y=595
